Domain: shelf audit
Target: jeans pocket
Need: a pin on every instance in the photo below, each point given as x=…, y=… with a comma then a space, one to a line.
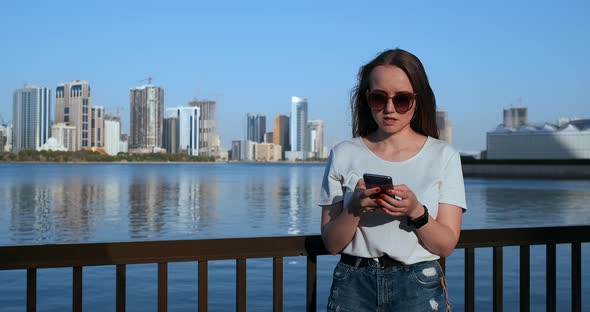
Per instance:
x=341, y=271
x=427, y=274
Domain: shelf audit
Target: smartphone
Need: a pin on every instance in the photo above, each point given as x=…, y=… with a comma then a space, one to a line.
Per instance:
x=376, y=180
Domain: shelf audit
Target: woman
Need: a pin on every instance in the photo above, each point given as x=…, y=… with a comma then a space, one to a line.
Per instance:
x=389, y=240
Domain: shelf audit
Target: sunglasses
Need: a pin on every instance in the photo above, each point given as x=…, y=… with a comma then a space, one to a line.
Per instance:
x=402, y=102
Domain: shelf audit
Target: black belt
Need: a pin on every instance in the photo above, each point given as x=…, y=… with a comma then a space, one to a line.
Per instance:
x=383, y=261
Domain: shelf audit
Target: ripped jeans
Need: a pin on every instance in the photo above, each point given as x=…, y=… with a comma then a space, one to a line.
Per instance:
x=417, y=287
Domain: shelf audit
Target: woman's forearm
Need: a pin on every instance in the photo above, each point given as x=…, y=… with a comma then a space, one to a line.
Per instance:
x=340, y=231
x=437, y=238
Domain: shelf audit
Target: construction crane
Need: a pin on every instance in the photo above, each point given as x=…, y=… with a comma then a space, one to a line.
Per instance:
x=148, y=79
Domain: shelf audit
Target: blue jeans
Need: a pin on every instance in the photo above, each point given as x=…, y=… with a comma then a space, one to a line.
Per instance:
x=416, y=287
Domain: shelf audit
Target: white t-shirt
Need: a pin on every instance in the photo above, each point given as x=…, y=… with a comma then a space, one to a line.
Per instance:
x=434, y=174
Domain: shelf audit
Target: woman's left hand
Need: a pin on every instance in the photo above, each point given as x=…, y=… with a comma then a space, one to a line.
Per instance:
x=406, y=205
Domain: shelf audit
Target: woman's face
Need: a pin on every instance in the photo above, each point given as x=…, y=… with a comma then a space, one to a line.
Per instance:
x=391, y=81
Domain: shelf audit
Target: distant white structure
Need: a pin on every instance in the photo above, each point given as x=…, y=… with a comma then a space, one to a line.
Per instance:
x=65, y=135
x=570, y=140
x=53, y=145
x=316, y=138
x=515, y=117
x=112, y=135
x=445, y=128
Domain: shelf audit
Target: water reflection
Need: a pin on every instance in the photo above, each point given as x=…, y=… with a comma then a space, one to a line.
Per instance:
x=145, y=205
x=30, y=220
x=63, y=203
x=526, y=203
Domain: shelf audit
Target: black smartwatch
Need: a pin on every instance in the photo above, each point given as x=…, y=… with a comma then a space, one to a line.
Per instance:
x=421, y=220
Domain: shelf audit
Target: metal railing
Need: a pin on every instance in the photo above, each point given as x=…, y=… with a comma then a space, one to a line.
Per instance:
x=78, y=256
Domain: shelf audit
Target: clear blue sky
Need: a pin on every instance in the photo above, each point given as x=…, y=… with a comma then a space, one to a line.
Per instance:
x=252, y=56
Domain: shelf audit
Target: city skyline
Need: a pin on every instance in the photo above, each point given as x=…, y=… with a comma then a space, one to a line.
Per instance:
x=480, y=58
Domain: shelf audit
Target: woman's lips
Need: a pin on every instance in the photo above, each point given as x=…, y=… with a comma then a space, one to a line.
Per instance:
x=389, y=120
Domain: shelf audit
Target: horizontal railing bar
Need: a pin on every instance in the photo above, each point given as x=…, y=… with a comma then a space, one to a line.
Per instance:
x=91, y=254
x=523, y=236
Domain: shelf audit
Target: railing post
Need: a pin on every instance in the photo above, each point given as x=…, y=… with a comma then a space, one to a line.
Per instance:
x=203, y=286
x=162, y=287
x=311, y=283
x=469, y=279
x=121, y=287
x=241, y=285
x=31, y=290
x=498, y=281
x=551, y=277
x=77, y=289
x=525, y=278
x=576, y=277
x=277, y=284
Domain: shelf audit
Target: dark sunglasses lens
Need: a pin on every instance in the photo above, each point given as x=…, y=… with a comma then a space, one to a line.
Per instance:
x=402, y=102
x=377, y=101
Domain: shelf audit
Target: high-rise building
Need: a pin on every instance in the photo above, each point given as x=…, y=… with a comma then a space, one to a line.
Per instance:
x=146, y=119
x=31, y=117
x=445, y=128
x=112, y=135
x=188, y=128
x=73, y=107
x=170, y=136
x=65, y=135
x=281, y=132
x=97, y=126
x=209, y=142
x=298, y=130
x=316, y=138
x=255, y=127
x=515, y=117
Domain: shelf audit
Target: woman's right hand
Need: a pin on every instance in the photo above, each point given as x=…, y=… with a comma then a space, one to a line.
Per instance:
x=361, y=200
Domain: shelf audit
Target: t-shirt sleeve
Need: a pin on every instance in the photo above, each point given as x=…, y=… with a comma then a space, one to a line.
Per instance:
x=452, y=188
x=331, y=184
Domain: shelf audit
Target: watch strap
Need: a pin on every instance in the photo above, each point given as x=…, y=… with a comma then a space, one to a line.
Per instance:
x=421, y=220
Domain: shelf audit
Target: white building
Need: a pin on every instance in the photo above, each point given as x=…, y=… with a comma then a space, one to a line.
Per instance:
x=112, y=135
x=53, y=145
x=31, y=109
x=547, y=141
x=316, y=138
x=65, y=135
x=242, y=150
x=188, y=128
x=298, y=129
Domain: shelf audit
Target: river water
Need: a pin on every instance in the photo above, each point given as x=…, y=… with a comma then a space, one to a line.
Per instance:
x=75, y=203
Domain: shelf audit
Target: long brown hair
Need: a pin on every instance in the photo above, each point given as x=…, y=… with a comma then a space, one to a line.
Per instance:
x=424, y=119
